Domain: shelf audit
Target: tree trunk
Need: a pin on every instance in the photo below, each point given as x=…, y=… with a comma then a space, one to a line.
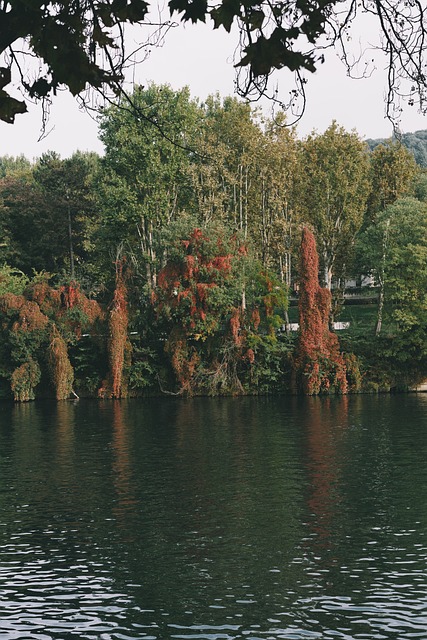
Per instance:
x=381, y=279
x=70, y=238
x=148, y=254
x=379, y=323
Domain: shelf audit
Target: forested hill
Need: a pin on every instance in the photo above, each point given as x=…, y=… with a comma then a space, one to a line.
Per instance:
x=416, y=142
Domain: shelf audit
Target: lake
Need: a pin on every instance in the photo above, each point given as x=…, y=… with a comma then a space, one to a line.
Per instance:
x=229, y=518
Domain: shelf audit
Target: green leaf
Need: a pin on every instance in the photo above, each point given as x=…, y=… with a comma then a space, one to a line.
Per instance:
x=5, y=76
x=101, y=37
x=256, y=18
x=9, y=107
x=137, y=10
x=194, y=10
x=40, y=88
x=225, y=14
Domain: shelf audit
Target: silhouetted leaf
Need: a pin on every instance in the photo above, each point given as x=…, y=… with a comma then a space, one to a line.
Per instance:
x=225, y=14
x=9, y=107
x=4, y=76
x=40, y=88
x=194, y=10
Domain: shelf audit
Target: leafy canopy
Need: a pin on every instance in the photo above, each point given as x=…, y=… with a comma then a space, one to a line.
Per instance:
x=82, y=44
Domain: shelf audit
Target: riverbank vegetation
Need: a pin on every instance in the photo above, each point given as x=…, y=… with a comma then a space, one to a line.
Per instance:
x=179, y=261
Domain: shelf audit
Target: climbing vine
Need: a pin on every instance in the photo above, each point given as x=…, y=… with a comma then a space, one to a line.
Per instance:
x=319, y=364
x=78, y=312
x=61, y=370
x=189, y=286
x=214, y=299
x=195, y=294
x=24, y=380
x=118, y=343
x=38, y=326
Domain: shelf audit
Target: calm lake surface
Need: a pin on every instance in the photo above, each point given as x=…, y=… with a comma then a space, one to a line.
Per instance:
x=214, y=519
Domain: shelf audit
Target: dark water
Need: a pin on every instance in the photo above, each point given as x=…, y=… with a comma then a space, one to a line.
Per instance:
x=214, y=519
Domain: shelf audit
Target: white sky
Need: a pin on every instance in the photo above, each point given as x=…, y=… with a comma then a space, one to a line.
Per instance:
x=202, y=59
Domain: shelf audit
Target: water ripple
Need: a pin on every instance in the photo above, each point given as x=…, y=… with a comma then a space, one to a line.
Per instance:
x=237, y=519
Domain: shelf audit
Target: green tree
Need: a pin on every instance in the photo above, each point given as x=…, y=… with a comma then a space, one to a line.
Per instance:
x=144, y=183
x=213, y=341
x=21, y=222
x=415, y=142
x=394, y=250
x=10, y=168
x=67, y=190
x=223, y=171
x=333, y=195
x=9, y=164
x=420, y=186
x=46, y=209
x=275, y=218
x=12, y=280
x=393, y=170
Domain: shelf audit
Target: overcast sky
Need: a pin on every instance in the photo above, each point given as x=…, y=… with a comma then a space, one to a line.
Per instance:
x=203, y=59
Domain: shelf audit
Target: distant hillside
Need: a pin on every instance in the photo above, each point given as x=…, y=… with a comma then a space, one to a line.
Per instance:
x=416, y=143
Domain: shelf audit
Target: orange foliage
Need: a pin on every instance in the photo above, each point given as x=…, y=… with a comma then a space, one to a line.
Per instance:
x=55, y=302
x=11, y=302
x=91, y=309
x=23, y=381
x=185, y=286
x=70, y=294
x=42, y=306
x=256, y=319
x=169, y=278
x=202, y=290
x=60, y=366
x=318, y=360
x=48, y=298
x=73, y=298
x=220, y=263
x=191, y=266
x=118, y=325
x=197, y=236
x=235, y=326
x=180, y=281
x=249, y=356
x=30, y=318
x=184, y=359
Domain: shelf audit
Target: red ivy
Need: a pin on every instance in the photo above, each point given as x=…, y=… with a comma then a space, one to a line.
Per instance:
x=318, y=362
x=118, y=325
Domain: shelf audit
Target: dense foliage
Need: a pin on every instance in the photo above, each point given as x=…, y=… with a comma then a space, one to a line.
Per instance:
x=319, y=365
x=178, y=268
x=415, y=142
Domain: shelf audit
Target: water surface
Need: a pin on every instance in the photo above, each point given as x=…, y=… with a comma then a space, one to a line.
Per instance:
x=214, y=519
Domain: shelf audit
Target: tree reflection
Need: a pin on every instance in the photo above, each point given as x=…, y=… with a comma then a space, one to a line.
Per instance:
x=124, y=484
x=327, y=421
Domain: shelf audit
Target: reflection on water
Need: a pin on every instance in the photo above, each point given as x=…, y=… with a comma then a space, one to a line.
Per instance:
x=214, y=518
x=325, y=424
